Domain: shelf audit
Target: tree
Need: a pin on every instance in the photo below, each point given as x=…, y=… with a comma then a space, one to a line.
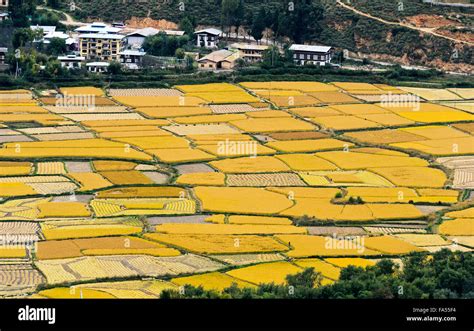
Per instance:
x=229, y=9
x=21, y=11
x=53, y=4
x=186, y=25
x=115, y=68
x=163, y=45
x=239, y=16
x=258, y=25
x=299, y=20
x=180, y=53
x=57, y=46
x=21, y=37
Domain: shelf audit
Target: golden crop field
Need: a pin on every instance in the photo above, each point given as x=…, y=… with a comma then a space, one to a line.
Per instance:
x=220, y=244
x=260, y=179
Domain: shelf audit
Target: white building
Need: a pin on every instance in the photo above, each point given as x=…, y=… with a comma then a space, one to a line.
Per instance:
x=49, y=32
x=98, y=67
x=71, y=61
x=3, y=17
x=98, y=27
x=307, y=54
x=3, y=3
x=208, y=38
x=131, y=58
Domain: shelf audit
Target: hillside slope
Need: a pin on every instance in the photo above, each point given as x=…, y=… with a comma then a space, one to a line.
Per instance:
x=341, y=26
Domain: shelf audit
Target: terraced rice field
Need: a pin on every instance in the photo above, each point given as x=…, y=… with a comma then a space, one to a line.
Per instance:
x=261, y=179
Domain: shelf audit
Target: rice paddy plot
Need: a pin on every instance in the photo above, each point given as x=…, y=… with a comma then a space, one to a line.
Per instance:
x=202, y=179
x=309, y=145
x=431, y=94
x=306, y=162
x=264, y=180
x=203, y=129
x=70, y=229
x=60, y=249
x=259, y=164
x=100, y=267
x=421, y=240
x=246, y=259
x=309, y=246
x=344, y=122
x=413, y=176
x=150, y=206
x=390, y=245
x=457, y=227
x=353, y=160
x=220, y=244
x=227, y=229
x=262, y=125
x=285, y=85
x=241, y=200
x=259, y=220
x=18, y=279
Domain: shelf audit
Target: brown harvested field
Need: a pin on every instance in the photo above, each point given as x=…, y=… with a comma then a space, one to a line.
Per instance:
x=19, y=228
x=196, y=168
x=78, y=167
x=233, y=109
x=126, y=177
x=141, y=192
x=384, y=136
x=467, y=127
x=297, y=135
x=157, y=177
x=61, y=249
x=335, y=230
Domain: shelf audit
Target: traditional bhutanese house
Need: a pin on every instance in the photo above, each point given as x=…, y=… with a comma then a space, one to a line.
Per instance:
x=250, y=52
x=71, y=61
x=97, y=67
x=131, y=58
x=307, y=54
x=208, y=38
x=218, y=60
